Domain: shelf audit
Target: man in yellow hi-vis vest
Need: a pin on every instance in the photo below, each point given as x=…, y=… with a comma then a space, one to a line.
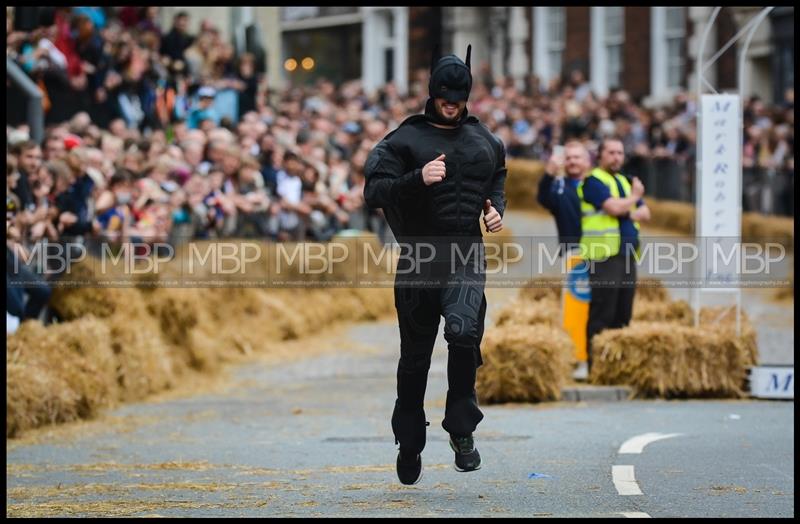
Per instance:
x=611, y=209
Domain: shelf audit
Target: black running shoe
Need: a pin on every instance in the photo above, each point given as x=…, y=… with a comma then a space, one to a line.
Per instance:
x=409, y=467
x=467, y=457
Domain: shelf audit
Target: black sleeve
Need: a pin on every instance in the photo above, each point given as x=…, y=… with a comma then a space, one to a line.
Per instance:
x=387, y=181
x=497, y=192
x=548, y=195
x=545, y=196
x=24, y=193
x=167, y=43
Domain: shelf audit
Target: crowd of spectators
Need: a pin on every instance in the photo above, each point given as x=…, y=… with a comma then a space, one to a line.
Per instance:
x=660, y=142
x=160, y=135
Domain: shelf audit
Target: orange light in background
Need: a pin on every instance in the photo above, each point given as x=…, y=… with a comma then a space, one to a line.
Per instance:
x=290, y=64
x=307, y=63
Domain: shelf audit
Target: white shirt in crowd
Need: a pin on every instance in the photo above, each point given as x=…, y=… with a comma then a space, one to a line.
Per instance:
x=290, y=188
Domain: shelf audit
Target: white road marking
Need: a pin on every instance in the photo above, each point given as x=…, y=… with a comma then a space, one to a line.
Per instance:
x=637, y=443
x=635, y=515
x=624, y=480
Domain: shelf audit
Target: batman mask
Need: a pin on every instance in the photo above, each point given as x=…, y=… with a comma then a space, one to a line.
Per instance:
x=450, y=79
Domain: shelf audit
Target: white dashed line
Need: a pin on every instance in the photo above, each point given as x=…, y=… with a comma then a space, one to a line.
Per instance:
x=624, y=480
x=637, y=443
x=635, y=515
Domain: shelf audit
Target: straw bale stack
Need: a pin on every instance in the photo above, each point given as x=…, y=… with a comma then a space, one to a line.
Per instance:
x=522, y=183
x=524, y=363
x=527, y=356
x=665, y=359
x=375, y=302
x=679, y=311
x=651, y=289
x=541, y=288
x=150, y=337
x=786, y=293
x=668, y=214
x=766, y=228
x=59, y=373
x=528, y=312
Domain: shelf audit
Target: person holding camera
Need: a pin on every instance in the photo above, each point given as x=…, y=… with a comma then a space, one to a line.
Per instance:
x=558, y=191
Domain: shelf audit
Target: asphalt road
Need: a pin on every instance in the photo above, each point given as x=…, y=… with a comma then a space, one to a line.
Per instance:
x=313, y=438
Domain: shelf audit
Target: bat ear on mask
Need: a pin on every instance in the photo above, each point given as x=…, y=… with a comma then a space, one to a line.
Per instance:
x=469, y=54
x=435, y=56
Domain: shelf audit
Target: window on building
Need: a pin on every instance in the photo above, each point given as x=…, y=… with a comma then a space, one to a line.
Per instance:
x=675, y=35
x=556, y=25
x=782, y=22
x=613, y=41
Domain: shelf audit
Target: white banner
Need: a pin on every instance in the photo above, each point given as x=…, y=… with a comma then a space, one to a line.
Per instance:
x=720, y=186
x=772, y=382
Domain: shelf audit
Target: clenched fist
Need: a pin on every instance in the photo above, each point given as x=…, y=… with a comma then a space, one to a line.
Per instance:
x=492, y=219
x=434, y=171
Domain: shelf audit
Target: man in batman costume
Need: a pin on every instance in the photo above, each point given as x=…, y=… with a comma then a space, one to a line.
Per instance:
x=433, y=177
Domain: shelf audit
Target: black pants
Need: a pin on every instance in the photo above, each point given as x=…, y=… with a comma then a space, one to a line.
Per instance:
x=463, y=307
x=613, y=288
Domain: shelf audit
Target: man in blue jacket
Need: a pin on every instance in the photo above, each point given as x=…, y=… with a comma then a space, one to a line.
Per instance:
x=558, y=192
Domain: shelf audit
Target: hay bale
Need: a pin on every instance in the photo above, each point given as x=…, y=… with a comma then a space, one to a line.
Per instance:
x=651, y=289
x=527, y=312
x=153, y=336
x=679, y=312
x=71, y=303
x=662, y=359
x=542, y=288
x=59, y=373
x=178, y=312
x=522, y=182
x=375, y=302
x=36, y=396
x=761, y=229
x=756, y=227
x=786, y=293
x=524, y=363
x=552, y=288
x=146, y=362
x=723, y=319
x=677, y=216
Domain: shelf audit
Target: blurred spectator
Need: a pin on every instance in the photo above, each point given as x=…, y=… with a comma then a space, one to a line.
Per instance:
x=72, y=189
x=27, y=298
x=112, y=212
x=294, y=211
x=28, y=158
x=204, y=110
x=156, y=135
x=249, y=84
x=175, y=43
x=135, y=147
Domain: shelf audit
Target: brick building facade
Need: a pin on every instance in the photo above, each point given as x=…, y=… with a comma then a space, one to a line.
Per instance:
x=650, y=52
